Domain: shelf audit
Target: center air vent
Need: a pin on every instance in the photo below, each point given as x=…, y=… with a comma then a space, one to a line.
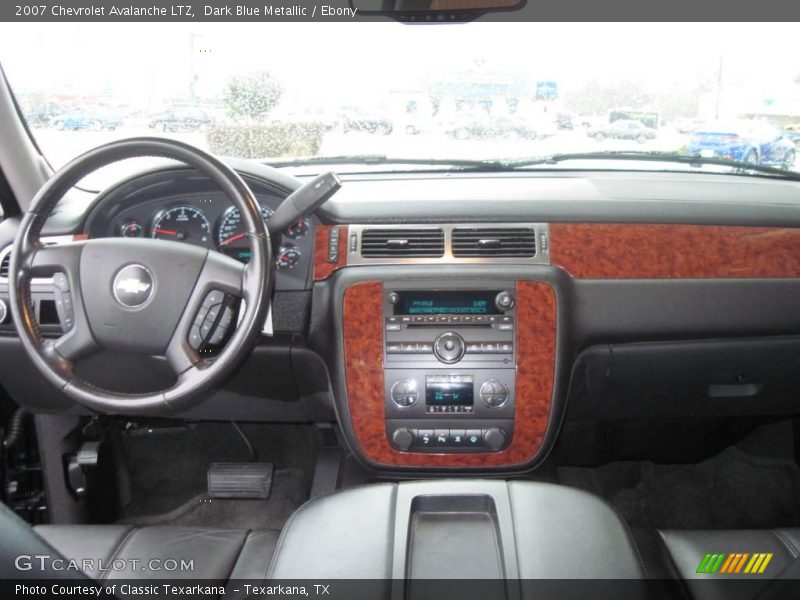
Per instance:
x=494, y=242
x=402, y=242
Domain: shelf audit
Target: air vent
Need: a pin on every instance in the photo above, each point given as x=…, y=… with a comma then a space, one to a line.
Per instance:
x=494, y=242
x=402, y=242
x=4, y=265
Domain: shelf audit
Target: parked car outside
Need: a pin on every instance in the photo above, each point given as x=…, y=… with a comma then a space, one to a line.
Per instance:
x=86, y=120
x=623, y=129
x=365, y=122
x=487, y=126
x=745, y=141
x=793, y=133
x=181, y=119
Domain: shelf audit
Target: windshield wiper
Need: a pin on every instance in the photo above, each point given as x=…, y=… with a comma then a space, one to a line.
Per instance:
x=654, y=156
x=381, y=159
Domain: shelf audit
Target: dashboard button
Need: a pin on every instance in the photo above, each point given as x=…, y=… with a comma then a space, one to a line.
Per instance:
x=458, y=437
x=425, y=437
x=474, y=437
x=442, y=437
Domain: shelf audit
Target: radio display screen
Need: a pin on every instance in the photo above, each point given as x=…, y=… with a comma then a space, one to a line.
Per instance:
x=455, y=390
x=446, y=303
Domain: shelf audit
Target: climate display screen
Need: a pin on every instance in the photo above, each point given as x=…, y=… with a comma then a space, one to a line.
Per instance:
x=446, y=303
x=444, y=390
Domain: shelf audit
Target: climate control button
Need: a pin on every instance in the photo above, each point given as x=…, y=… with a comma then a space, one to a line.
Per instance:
x=494, y=394
x=403, y=438
x=404, y=392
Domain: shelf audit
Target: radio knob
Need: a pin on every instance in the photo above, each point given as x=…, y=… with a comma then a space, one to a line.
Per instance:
x=3, y=311
x=494, y=438
x=493, y=393
x=394, y=297
x=402, y=438
x=404, y=392
x=504, y=301
x=449, y=347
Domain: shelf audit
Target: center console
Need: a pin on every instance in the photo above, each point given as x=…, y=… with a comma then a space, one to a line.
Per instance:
x=449, y=367
x=448, y=372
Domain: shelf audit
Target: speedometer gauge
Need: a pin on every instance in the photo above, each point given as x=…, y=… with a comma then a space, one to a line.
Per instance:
x=231, y=236
x=182, y=224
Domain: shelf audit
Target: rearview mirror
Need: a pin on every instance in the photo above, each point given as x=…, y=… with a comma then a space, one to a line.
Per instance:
x=433, y=10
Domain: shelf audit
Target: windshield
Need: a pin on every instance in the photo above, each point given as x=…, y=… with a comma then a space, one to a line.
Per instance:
x=370, y=94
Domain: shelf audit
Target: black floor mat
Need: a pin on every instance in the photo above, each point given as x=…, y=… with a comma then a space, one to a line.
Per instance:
x=288, y=493
x=168, y=474
x=755, y=484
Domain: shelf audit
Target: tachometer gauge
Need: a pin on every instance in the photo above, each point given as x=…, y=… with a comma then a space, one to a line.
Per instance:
x=297, y=229
x=288, y=257
x=182, y=224
x=231, y=236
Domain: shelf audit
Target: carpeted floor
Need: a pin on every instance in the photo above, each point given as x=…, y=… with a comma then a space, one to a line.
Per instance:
x=288, y=492
x=755, y=484
x=168, y=474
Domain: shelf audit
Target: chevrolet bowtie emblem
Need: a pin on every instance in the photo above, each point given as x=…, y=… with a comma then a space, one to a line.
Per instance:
x=132, y=286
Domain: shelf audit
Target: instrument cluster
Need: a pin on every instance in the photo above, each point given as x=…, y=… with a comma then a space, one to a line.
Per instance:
x=209, y=220
x=189, y=223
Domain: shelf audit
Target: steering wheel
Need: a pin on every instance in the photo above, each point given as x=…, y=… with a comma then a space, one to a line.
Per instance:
x=143, y=296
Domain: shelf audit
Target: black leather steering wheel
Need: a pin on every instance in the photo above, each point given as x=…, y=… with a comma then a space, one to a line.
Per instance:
x=139, y=295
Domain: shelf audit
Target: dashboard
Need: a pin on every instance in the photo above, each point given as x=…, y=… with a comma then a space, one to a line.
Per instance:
x=633, y=295
x=183, y=207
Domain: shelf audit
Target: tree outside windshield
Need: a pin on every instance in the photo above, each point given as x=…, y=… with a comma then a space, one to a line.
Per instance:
x=473, y=91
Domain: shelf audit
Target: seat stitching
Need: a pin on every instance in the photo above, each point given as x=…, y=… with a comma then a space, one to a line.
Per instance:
x=786, y=542
x=117, y=550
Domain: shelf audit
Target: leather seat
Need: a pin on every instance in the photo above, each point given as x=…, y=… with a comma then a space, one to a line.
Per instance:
x=213, y=554
x=105, y=552
x=687, y=550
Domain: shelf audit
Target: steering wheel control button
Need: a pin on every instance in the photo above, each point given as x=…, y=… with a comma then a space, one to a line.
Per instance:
x=404, y=393
x=449, y=347
x=222, y=327
x=504, y=301
x=61, y=282
x=133, y=286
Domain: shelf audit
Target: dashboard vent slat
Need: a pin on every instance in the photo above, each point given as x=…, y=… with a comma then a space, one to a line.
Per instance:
x=4, y=266
x=494, y=242
x=402, y=242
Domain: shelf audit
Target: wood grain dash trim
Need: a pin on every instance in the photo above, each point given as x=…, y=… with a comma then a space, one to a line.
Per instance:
x=661, y=251
x=363, y=349
x=322, y=234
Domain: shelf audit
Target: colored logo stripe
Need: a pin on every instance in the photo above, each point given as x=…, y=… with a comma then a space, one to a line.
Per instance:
x=733, y=563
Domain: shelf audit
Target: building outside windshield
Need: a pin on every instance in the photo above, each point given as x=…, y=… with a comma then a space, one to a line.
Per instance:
x=368, y=95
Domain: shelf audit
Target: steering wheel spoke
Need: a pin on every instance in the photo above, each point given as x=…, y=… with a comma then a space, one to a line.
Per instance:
x=208, y=313
x=47, y=260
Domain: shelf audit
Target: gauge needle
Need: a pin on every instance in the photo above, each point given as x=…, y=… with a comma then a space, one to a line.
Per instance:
x=232, y=239
x=166, y=231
